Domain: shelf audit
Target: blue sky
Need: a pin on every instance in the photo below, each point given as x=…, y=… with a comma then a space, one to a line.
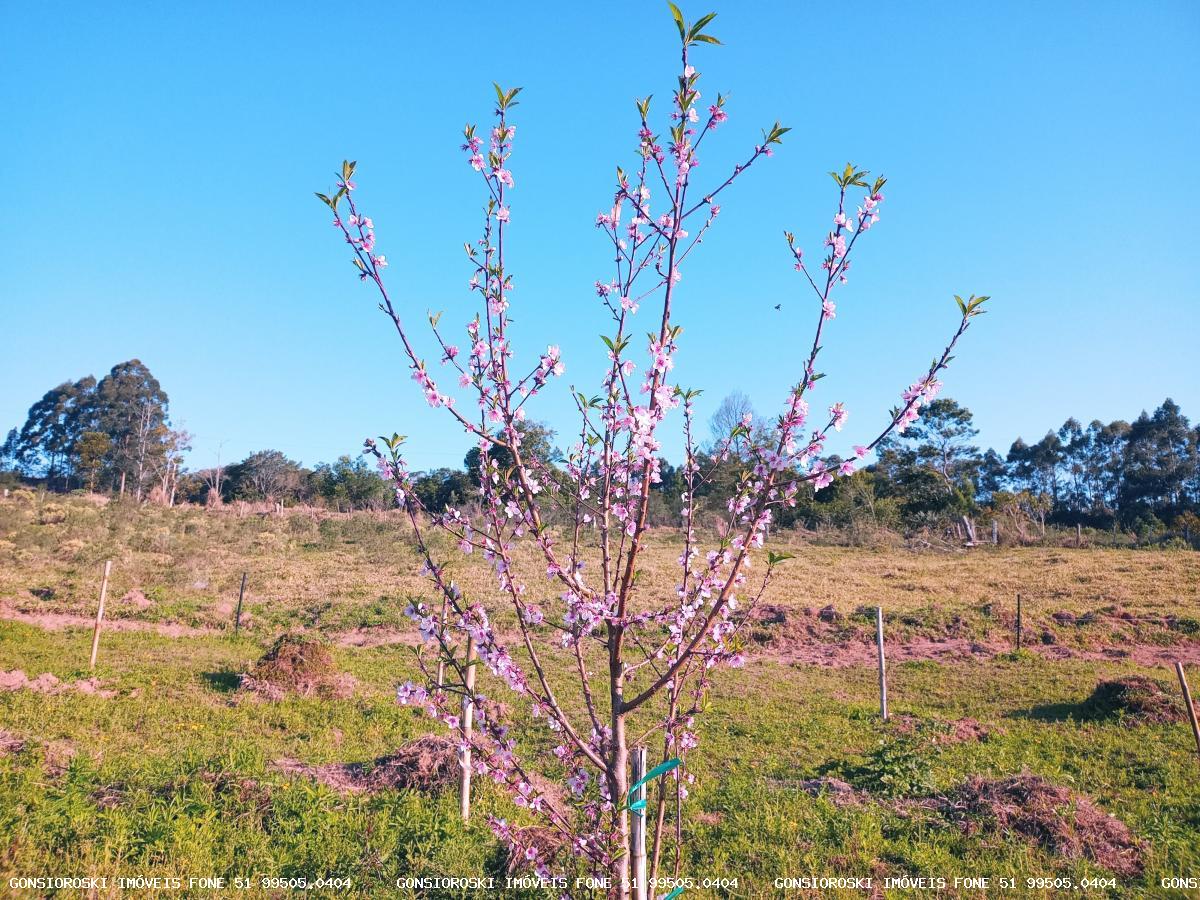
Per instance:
x=160, y=161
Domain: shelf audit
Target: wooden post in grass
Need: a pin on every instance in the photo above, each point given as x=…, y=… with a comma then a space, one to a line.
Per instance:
x=637, y=826
x=995, y=532
x=237, y=616
x=1187, y=702
x=100, y=613
x=1078, y=535
x=1018, y=622
x=883, y=709
x=441, y=679
x=468, y=719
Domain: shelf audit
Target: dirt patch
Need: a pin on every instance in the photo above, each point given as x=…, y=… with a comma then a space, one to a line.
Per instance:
x=10, y=743
x=374, y=636
x=429, y=763
x=945, y=734
x=1136, y=700
x=809, y=637
x=1062, y=821
x=966, y=730
x=58, y=621
x=838, y=792
x=58, y=757
x=46, y=683
x=136, y=599
x=300, y=665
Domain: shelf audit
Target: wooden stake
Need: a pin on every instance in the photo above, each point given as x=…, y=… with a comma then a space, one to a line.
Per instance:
x=1187, y=702
x=1078, y=535
x=1018, y=621
x=995, y=532
x=883, y=707
x=637, y=826
x=237, y=616
x=100, y=613
x=441, y=679
x=468, y=718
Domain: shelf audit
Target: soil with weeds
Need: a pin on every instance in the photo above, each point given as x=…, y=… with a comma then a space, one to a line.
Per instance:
x=428, y=764
x=300, y=665
x=1062, y=821
x=1135, y=700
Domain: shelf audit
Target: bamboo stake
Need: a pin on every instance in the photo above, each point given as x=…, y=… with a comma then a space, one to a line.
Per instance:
x=1187, y=701
x=468, y=718
x=100, y=613
x=883, y=705
x=637, y=826
x=237, y=618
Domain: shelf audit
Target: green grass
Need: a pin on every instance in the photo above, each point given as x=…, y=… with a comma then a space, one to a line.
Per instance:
x=173, y=777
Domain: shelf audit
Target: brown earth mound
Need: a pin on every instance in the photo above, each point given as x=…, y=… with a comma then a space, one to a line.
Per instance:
x=839, y=792
x=297, y=664
x=429, y=763
x=1136, y=700
x=1064, y=822
x=958, y=731
x=10, y=743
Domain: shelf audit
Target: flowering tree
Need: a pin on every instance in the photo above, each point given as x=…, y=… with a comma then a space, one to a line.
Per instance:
x=640, y=656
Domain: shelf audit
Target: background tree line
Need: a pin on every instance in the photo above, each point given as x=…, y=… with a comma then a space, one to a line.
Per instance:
x=114, y=435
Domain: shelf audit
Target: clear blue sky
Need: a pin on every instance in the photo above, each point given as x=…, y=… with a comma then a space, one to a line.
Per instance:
x=159, y=162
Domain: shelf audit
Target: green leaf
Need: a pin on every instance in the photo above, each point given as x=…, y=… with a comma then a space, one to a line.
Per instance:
x=678, y=17
x=701, y=22
x=706, y=38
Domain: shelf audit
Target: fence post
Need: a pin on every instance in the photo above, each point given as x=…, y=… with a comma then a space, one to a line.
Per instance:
x=468, y=718
x=237, y=616
x=1187, y=701
x=100, y=613
x=995, y=532
x=883, y=706
x=1078, y=535
x=637, y=827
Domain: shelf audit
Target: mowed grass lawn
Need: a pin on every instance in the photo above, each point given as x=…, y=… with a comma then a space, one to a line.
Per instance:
x=174, y=775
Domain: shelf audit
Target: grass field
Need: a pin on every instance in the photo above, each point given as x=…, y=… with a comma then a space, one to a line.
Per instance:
x=163, y=768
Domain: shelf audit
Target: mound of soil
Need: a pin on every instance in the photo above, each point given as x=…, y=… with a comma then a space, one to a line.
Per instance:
x=10, y=743
x=839, y=792
x=429, y=763
x=1136, y=699
x=958, y=731
x=297, y=664
x=137, y=599
x=1060, y=820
